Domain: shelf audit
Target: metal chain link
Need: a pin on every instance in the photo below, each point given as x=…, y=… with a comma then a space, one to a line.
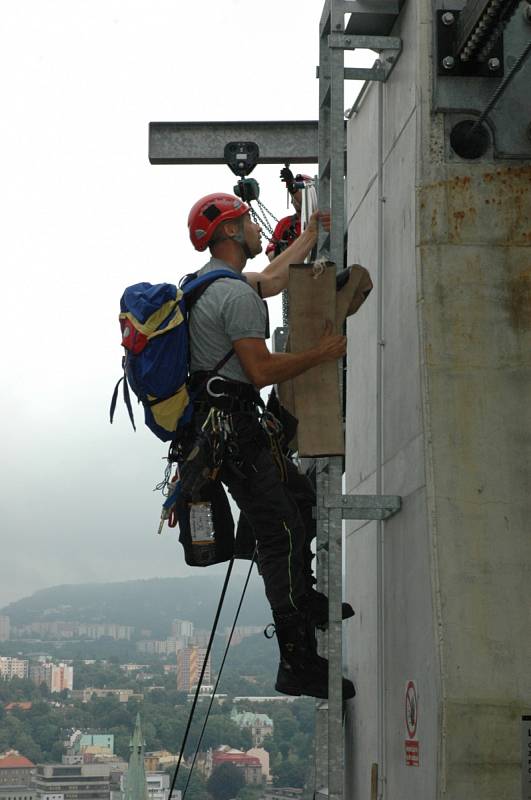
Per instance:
x=260, y=218
x=266, y=210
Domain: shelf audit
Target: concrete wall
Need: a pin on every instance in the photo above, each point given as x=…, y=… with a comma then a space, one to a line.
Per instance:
x=439, y=411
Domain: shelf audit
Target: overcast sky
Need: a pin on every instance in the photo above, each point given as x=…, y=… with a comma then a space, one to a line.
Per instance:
x=83, y=215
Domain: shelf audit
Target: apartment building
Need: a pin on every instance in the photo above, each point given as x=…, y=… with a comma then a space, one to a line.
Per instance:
x=13, y=668
x=182, y=628
x=57, y=677
x=72, y=781
x=189, y=665
x=5, y=628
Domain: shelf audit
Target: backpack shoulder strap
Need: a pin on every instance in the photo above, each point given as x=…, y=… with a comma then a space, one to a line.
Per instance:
x=194, y=287
x=192, y=290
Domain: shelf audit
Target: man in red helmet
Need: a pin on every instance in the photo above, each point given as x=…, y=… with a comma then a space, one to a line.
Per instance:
x=288, y=228
x=230, y=319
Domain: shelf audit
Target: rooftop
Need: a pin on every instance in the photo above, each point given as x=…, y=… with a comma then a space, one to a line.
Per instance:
x=24, y=706
x=15, y=762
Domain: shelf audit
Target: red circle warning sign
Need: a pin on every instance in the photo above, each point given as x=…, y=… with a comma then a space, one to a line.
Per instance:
x=411, y=709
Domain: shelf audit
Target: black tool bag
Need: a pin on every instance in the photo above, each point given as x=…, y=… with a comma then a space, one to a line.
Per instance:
x=288, y=421
x=213, y=492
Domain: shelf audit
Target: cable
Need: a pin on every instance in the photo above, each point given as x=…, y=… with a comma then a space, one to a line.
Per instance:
x=203, y=669
x=219, y=674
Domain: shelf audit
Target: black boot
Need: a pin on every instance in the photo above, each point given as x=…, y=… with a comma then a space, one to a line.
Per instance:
x=301, y=669
x=318, y=609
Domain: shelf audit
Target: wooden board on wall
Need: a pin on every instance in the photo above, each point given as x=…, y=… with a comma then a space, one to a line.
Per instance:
x=316, y=395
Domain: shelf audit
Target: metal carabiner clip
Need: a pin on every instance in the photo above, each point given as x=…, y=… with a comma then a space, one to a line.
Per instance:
x=211, y=392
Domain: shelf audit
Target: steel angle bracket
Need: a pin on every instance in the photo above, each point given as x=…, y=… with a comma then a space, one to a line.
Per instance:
x=389, y=48
x=360, y=506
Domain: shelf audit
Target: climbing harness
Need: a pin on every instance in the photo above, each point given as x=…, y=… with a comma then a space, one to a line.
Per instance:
x=203, y=462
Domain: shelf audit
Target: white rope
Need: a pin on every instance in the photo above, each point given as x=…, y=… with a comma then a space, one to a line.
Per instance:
x=318, y=268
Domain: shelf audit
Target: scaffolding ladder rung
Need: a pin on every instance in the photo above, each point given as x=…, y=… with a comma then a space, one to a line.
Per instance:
x=343, y=41
x=360, y=506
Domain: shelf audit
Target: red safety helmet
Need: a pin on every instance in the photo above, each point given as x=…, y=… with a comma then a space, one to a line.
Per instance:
x=209, y=212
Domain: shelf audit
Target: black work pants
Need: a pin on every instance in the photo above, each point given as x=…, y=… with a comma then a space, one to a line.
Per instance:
x=278, y=513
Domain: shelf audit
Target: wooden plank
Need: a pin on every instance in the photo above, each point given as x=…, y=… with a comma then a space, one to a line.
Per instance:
x=312, y=301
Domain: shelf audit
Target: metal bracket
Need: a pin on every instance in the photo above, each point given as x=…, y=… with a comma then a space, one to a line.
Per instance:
x=360, y=506
x=389, y=47
x=448, y=61
x=467, y=95
x=372, y=16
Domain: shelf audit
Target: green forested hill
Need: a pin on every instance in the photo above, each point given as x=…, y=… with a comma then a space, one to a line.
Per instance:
x=150, y=604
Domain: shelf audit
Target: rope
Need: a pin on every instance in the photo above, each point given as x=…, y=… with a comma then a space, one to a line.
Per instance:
x=203, y=669
x=518, y=64
x=318, y=268
x=219, y=674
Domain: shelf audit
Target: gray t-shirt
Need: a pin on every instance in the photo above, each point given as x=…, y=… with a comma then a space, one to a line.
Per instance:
x=227, y=310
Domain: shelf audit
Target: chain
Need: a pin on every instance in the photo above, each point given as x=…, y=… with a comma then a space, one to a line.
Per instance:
x=262, y=220
x=266, y=210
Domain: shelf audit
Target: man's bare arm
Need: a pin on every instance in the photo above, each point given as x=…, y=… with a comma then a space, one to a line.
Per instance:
x=274, y=278
x=264, y=368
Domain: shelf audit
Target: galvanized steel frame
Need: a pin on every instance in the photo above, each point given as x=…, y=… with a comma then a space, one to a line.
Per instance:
x=329, y=720
x=332, y=505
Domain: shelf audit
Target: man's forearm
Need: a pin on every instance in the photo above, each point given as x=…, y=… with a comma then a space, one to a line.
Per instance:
x=278, y=269
x=281, y=367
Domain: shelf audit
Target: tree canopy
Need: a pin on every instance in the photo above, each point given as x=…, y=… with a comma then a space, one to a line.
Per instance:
x=225, y=782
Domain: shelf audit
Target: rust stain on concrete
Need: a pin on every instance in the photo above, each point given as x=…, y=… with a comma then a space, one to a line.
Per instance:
x=518, y=303
x=492, y=206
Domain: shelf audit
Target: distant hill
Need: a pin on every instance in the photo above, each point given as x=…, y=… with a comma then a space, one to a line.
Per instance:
x=150, y=604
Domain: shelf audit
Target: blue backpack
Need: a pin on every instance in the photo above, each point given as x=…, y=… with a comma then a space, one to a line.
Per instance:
x=154, y=323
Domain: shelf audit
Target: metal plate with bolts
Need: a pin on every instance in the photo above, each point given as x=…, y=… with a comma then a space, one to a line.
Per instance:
x=447, y=61
x=510, y=119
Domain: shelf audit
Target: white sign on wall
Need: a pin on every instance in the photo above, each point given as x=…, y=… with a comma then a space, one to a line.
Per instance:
x=526, y=757
x=411, y=708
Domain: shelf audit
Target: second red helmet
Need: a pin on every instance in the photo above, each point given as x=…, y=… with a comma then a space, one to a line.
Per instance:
x=209, y=212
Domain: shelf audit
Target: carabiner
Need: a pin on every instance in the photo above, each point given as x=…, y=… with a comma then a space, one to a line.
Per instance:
x=212, y=393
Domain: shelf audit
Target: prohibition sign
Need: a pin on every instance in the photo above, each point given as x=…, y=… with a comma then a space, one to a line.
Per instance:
x=411, y=709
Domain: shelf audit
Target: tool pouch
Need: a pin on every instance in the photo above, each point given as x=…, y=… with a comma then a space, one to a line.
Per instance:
x=214, y=493
x=288, y=421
